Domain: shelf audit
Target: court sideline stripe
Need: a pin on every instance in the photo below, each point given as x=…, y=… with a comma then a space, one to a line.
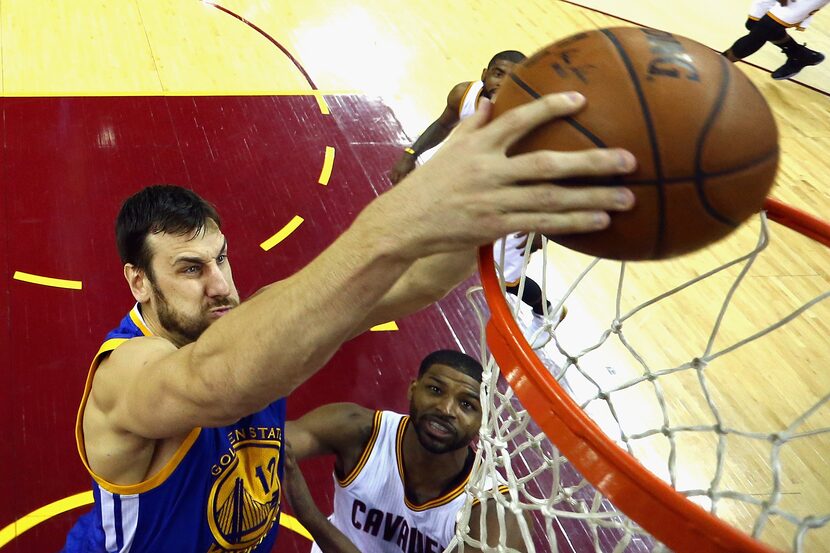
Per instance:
x=324, y=109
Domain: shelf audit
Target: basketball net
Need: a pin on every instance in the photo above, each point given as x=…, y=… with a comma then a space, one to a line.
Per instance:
x=643, y=430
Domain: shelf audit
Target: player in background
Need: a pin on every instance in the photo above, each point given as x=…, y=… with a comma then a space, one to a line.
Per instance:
x=399, y=480
x=768, y=21
x=462, y=101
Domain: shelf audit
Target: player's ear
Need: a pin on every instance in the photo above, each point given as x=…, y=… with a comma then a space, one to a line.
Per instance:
x=138, y=281
x=483, y=73
x=411, y=390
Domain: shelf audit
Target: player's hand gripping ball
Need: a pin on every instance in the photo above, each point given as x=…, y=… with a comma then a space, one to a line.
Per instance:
x=704, y=137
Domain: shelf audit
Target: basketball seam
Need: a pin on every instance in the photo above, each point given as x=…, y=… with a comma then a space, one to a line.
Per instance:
x=524, y=86
x=700, y=176
x=652, y=137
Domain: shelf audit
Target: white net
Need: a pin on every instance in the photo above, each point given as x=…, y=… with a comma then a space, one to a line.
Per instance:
x=711, y=370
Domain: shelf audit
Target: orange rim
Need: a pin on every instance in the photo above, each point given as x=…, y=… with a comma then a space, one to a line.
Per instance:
x=652, y=503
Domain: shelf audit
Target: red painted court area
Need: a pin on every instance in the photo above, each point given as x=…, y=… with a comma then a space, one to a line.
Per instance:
x=67, y=163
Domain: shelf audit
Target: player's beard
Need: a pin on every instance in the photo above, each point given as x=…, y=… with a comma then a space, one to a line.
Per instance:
x=185, y=329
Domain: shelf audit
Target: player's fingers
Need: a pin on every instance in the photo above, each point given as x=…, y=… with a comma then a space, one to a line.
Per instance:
x=514, y=123
x=550, y=165
x=549, y=198
x=559, y=223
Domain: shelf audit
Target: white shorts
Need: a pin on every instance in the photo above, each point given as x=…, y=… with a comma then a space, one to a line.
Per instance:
x=797, y=13
x=514, y=257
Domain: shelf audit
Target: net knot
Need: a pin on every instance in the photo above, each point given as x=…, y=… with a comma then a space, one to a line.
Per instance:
x=616, y=326
x=777, y=439
x=698, y=364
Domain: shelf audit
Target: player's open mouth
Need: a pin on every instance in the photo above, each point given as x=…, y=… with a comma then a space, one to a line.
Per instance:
x=439, y=429
x=219, y=311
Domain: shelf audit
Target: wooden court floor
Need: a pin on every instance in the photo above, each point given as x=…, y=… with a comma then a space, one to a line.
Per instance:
x=287, y=115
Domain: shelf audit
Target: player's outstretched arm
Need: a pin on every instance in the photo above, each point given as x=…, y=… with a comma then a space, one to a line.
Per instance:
x=436, y=133
x=329, y=539
x=469, y=194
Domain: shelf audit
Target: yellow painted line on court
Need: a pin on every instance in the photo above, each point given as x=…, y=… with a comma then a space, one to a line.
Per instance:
x=328, y=163
x=47, y=281
x=321, y=101
x=385, y=327
x=283, y=233
x=293, y=524
x=27, y=522
x=42, y=514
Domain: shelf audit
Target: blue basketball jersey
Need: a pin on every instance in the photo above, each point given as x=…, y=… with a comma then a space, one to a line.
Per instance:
x=220, y=491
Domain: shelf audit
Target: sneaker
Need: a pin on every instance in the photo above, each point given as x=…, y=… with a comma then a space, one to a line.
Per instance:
x=513, y=302
x=797, y=59
x=538, y=334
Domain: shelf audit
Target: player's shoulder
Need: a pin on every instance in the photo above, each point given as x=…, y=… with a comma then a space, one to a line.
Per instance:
x=122, y=366
x=127, y=361
x=138, y=351
x=457, y=92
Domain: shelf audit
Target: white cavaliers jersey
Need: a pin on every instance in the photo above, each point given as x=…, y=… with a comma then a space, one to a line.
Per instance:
x=509, y=257
x=371, y=508
x=469, y=101
x=794, y=14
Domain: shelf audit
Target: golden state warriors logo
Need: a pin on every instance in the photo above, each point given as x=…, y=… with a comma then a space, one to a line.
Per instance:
x=245, y=497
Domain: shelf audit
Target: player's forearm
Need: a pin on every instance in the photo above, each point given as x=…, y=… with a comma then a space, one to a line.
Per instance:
x=431, y=137
x=270, y=344
x=427, y=281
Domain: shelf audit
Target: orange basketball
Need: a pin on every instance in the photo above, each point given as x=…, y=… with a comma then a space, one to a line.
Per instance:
x=704, y=137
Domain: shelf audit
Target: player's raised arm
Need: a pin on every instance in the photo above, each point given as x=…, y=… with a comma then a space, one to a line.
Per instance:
x=530, y=199
x=436, y=133
x=469, y=194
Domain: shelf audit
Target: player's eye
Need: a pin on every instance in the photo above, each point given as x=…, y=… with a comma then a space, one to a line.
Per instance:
x=222, y=258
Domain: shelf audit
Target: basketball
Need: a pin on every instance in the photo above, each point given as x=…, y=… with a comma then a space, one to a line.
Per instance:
x=704, y=137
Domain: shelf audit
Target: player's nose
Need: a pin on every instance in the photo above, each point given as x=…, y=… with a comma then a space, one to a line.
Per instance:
x=217, y=282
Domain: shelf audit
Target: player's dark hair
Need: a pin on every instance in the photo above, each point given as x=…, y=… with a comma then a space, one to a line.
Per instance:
x=455, y=359
x=156, y=209
x=513, y=56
